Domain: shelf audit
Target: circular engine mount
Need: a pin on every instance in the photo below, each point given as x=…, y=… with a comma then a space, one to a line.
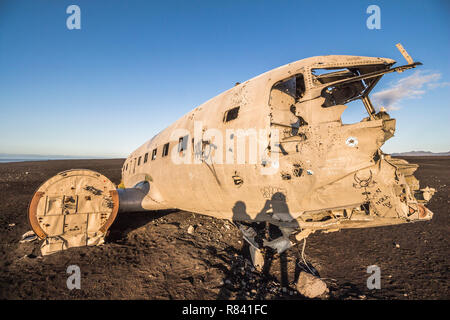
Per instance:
x=73, y=208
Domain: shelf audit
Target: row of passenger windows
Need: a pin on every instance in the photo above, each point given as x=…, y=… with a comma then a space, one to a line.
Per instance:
x=165, y=152
x=182, y=145
x=229, y=115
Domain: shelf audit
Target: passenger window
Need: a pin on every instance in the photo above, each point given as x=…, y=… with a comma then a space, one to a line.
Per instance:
x=139, y=161
x=154, y=154
x=165, y=151
x=145, y=157
x=231, y=114
x=182, y=143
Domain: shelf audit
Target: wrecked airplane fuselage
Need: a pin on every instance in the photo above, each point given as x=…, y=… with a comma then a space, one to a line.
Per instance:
x=270, y=150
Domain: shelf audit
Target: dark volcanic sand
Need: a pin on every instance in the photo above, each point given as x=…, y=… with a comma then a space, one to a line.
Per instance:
x=152, y=256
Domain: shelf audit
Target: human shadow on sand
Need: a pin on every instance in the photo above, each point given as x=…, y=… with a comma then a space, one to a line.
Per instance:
x=242, y=279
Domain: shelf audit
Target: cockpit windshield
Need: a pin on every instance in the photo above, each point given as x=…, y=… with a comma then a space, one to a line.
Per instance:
x=339, y=88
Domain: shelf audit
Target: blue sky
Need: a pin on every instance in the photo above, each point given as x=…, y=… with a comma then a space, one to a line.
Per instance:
x=137, y=66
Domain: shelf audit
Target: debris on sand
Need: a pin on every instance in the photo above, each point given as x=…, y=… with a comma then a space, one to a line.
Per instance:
x=310, y=286
x=30, y=256
x=257, y=258
x=28, y=236
x=190, y=230
x=428, y=192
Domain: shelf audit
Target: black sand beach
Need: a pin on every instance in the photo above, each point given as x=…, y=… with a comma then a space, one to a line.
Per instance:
x=152, y=256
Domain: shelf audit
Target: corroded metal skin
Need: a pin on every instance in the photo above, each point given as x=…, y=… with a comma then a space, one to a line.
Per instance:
x=313, y=172
x=330, y=175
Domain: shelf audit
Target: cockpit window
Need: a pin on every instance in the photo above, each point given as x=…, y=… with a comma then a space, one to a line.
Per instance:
x=322, y=76
x=342, y=94
x=283, y=97
x=293, y=86
x=342, y=87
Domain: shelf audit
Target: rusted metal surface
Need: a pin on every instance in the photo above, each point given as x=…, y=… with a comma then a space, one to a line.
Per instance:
x=32, y=218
